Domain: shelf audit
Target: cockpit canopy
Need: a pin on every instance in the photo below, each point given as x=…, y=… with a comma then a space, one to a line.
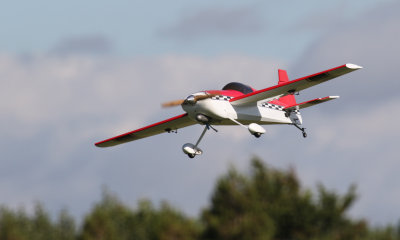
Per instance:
x=238, y=87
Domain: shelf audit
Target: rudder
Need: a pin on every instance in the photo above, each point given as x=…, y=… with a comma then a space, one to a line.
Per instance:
x=287, y=100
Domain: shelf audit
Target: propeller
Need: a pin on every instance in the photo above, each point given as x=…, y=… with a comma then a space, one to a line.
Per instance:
x=191, y=99
x=172, y=103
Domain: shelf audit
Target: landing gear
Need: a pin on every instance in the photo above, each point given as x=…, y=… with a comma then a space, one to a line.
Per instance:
x=255, y=129
x=257, y=134
x=192, y=150
x=303, y=130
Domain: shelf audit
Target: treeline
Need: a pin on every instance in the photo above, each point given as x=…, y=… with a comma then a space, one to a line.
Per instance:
x=264, y=203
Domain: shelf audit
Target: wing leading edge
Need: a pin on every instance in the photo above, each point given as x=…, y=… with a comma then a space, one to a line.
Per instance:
x=168, y=125
x=295, y=85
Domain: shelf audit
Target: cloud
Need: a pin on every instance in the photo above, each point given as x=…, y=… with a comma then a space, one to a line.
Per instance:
x=360, y=147
x=356, y=135
x=55, y=107
x=370, y=41
x=323, y=19
x=85, y=44
x=221, y=22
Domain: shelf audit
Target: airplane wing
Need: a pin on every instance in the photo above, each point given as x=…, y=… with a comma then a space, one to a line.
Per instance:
x=294, y=86
x=310, y=103
x=168, y=125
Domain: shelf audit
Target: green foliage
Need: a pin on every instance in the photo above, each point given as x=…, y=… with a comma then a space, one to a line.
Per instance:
x=270, y=204
x=65, y=227
x=20, y=226
x=110, y=219
x=233, y=213
x=264, y=203
x=387, y=233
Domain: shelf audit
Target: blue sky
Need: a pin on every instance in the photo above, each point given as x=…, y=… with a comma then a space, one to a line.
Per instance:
x=259, y=28
x=75, y=73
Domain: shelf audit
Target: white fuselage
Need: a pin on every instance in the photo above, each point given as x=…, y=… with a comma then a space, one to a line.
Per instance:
x=221, y=111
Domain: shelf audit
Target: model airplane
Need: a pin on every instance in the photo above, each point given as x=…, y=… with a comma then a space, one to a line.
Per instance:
x=239, y=104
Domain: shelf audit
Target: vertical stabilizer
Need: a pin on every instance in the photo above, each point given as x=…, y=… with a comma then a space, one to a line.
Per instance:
x=283, y=77
x=288, y=99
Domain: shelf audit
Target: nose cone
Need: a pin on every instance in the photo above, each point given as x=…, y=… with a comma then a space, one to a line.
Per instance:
x=190, y=100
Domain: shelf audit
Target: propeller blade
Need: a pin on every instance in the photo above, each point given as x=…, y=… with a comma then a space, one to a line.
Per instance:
x=180, y=101
x=172, y=103
x=202, y=97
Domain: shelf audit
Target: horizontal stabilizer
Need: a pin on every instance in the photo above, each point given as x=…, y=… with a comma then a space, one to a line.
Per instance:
x=310, y=103
x=297, y=85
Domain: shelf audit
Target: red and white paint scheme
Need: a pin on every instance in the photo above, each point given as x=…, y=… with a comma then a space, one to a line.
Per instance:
x=239, y=104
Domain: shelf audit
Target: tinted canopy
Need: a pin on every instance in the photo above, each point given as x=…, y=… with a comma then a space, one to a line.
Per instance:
x=238, y=87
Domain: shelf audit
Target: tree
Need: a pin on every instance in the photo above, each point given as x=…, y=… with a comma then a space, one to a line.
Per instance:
x=271, y=204
x=233, y=213
x=263, y=203
x=65, y=226
x=18, y=225
x=110, y=219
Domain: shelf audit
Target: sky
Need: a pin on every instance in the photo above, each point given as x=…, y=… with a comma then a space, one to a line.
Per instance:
x=74, y=73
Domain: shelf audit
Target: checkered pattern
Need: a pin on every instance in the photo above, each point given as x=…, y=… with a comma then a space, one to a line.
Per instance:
x=272, y=106
x=222, y=98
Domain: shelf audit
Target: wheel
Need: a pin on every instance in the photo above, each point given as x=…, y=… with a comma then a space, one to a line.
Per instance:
x=192, y=155
x=304, y=134
x=257, y=135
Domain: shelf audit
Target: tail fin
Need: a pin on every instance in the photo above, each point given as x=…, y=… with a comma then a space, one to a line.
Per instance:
x=287, y=100
x=283, y=77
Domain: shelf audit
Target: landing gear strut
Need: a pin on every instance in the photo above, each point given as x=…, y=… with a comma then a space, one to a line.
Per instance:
x=301, y=129
x=192, y=150
x=255, y=129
